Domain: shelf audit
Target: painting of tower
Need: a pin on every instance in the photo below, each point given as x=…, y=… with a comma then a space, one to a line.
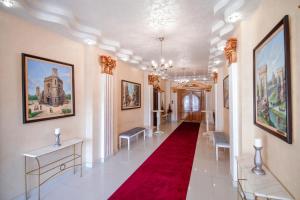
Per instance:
x=48, y=89
x=53, y=93
x=272, y=99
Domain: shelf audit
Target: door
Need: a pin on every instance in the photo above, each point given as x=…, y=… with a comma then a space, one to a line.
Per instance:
x=155, y=105
x=190, y=106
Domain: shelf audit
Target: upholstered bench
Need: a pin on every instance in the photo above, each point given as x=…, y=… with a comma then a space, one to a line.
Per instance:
x=220, y=141
x=130, y=134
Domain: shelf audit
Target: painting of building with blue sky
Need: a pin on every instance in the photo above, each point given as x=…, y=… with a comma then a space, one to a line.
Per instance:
x=49, y=89
x=131, y=95
x=271, y=83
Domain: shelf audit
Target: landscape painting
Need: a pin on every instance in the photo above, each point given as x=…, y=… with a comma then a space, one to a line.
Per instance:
x=131, y=95
x=48, y=89
x=226, y=92
x=272, y=106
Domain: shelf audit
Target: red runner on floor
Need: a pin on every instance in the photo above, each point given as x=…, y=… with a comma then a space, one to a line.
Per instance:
x=166, y=173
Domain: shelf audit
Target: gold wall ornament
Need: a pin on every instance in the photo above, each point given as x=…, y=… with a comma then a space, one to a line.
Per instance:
x=214, y=77
x=153, y=79
x=192, y=85
x=158, y=88
x=230, y=50
x=107, y=64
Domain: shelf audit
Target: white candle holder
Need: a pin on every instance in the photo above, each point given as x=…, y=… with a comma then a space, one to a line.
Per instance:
x=57, y=137
x=258, y=170
x=57, y=140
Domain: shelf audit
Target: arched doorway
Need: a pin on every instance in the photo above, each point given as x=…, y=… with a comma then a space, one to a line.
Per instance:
x=189, y=106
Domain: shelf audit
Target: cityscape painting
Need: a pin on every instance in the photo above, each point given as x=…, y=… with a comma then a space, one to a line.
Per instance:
x=131, y=95
x=226, y=92
x=48, y=89
x=272, y=88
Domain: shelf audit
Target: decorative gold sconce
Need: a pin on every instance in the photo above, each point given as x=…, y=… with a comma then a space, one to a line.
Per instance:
x=107, y=64
x=214, y=76
x=153, y=79
x=230, y=50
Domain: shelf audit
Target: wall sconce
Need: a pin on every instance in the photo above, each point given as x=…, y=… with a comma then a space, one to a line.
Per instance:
x=107, y=64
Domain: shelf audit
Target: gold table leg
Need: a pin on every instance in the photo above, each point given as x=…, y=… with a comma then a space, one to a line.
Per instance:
x=39, y=178
x=26, y=197
x=74, y=158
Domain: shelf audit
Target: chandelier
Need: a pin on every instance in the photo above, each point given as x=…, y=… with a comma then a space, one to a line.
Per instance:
x=160, y=68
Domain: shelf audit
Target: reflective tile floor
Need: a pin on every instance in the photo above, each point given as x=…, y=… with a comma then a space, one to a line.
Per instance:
x=210, y=180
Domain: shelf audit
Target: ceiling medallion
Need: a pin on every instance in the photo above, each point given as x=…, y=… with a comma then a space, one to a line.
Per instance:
x=162, y=14
x=160, y=68
x=8, y=3
x=107, y=64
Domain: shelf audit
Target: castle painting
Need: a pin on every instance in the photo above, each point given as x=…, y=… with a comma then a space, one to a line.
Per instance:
x=131, y=95
x=48, y=89
x=271, y=75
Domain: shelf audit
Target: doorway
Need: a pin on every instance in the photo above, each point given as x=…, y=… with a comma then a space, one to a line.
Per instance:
x=189, y=105
x=155, y=105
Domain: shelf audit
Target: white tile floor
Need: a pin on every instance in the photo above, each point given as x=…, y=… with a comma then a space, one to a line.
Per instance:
x=210, y=180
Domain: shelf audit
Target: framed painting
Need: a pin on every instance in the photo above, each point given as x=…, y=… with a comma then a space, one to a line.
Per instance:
x=130, y=95
x=226, y=92
x=272, y=82
x=48, y=89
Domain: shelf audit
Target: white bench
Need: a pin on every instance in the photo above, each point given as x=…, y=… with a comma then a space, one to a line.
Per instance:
x=131, y=133
x=220, y=141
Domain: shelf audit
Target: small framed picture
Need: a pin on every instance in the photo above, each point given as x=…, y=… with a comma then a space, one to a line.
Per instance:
x=130, y=95
x=226, y=92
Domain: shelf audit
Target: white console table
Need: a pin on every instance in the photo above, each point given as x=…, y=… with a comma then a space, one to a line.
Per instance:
x=53, y=167
x=252, y=186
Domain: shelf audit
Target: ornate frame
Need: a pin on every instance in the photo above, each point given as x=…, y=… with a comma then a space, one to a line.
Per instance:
x=284, y=23
x=122, y=93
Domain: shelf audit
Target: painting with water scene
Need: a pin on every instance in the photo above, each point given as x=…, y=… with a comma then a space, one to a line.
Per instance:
x=48, y=89
x=131, y=95
x=272, y=84
x=226, y=92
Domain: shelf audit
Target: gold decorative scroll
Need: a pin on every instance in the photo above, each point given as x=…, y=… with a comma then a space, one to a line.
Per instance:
x=107, y=64
x=153, y=79
x=193, y=85
x=214, y=77
x=158, y=88
x=230, y=50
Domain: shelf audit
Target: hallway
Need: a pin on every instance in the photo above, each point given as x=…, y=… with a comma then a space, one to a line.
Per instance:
x=98, y=87
x=210, y=180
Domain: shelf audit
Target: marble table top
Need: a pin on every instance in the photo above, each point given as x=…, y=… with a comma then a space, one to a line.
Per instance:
x=266, y=186
x=52, y=148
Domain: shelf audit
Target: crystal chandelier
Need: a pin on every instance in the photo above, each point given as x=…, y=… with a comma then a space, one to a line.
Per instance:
x=160, y=68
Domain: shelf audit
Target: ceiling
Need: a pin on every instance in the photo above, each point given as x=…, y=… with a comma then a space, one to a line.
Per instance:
x=194, y=30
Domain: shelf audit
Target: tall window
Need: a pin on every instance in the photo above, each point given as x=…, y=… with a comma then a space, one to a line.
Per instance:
x=191, y=103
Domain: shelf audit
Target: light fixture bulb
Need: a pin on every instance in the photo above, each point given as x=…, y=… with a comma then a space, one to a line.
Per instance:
x=8, y=3
x=162, y=61
x=90, y=41
x=234, y=17
x=170, y=62
x=216, y=62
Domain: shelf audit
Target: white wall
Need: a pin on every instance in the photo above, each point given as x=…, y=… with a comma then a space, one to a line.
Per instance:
x=16, y=138
x=18, y=36
x=218, y=90
x=283, y=159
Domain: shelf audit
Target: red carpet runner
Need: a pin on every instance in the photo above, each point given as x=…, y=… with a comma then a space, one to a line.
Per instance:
x=166, y=173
